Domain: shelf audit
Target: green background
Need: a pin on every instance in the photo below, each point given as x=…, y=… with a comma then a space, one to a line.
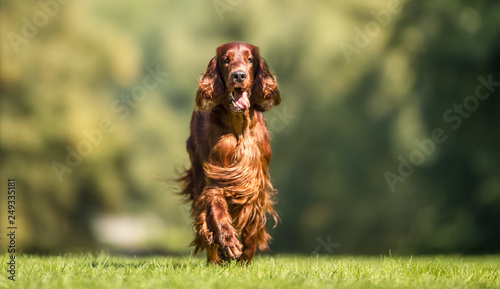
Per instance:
x=364, y=85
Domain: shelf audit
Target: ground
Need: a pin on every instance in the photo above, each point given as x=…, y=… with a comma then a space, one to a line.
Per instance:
x=104, y=271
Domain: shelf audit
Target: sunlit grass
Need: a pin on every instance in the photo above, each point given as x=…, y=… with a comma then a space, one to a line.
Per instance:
x=103, y=271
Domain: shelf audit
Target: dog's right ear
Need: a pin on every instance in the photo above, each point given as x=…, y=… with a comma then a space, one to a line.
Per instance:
x=210, y=88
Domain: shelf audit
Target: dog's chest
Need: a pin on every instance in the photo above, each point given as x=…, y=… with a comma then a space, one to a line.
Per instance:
x=245, y=150
x=235, y=164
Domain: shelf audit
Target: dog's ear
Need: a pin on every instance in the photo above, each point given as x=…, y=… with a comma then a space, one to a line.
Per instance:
x=210, y=87
x=265, y=88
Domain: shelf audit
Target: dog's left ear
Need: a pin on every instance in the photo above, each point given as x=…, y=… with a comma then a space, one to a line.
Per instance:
x=265, y=88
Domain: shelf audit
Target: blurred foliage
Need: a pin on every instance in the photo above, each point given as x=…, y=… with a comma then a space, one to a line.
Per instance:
x=344, y=122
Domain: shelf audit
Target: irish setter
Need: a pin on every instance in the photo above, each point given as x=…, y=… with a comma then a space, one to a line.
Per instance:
x=229, y=147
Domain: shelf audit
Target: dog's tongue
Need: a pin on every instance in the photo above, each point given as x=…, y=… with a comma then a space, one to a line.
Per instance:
x=241, y=99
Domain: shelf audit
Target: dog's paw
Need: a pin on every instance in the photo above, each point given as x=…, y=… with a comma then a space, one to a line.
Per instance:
x=231, y=246
x=228, y=240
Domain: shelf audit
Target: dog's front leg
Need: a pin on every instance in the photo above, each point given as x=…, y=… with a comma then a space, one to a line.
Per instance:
x=214, y=228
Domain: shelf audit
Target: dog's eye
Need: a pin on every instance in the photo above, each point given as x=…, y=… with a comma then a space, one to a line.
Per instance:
x=226, y=60
x=250, y=60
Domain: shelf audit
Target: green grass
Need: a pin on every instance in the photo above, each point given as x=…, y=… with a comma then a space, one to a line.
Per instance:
x=103, y=271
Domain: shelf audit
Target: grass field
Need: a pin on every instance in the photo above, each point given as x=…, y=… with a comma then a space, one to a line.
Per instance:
x=103, y=271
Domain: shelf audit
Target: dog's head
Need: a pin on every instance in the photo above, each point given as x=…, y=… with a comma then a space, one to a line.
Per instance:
x=239, y=79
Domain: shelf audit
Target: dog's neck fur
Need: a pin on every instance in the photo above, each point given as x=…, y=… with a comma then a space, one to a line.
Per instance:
x=238, y=124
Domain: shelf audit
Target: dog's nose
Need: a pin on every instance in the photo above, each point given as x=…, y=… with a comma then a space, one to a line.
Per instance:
x=239, y=76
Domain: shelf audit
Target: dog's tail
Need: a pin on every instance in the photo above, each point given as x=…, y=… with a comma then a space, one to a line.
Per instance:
x=185, y=180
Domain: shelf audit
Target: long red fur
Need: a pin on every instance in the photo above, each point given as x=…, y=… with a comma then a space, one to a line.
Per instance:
x=228, y=182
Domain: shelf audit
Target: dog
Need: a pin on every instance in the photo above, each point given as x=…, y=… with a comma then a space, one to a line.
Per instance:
x=229, y=147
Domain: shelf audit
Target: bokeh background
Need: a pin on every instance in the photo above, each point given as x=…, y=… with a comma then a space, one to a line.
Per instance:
x=96, y=98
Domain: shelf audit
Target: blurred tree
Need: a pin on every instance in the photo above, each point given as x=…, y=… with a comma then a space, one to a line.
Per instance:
x=364, y=83
x=433, y=57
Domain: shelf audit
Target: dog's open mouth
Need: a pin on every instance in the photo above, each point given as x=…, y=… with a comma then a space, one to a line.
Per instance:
x=238, y=100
